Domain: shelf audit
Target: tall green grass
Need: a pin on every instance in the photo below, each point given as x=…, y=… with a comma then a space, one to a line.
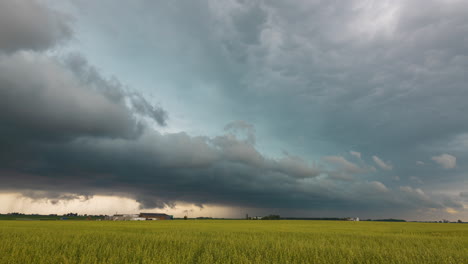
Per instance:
x=212, y=241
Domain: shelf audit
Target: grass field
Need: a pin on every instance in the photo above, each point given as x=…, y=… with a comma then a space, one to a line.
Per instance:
x=231, y=241
x=46, y=217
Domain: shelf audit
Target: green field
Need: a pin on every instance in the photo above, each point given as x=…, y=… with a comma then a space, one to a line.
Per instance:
x=46, y=217
x=231, y=241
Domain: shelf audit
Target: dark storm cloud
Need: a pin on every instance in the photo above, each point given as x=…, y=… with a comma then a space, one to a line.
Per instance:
x=143, y=107
x=360, y=83
x=26, y=24
x=113, y=89
x=385, y=78
x=40, y=97
x=159, y=170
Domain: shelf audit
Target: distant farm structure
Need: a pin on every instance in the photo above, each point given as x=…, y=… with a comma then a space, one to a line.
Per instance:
x=153, y=216
x=139, y=217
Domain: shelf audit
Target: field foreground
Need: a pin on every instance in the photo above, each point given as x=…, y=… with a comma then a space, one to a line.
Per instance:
x=231, y=241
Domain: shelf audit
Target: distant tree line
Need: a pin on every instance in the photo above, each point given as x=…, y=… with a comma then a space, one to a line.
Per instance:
x=271, y=217
x=315, y=218
x=388, y=220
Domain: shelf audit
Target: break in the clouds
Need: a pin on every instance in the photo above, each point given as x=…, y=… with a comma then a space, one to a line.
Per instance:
x=135, y=107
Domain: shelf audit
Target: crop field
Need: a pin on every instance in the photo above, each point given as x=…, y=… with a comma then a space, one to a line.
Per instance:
x=231, y=241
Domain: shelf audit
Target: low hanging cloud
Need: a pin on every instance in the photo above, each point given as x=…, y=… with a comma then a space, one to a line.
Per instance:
x=446, y=161
x=383, y=165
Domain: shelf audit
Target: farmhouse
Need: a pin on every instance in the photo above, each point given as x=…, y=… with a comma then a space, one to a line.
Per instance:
x=153, y=216
x=122, y=217
x=139, y=217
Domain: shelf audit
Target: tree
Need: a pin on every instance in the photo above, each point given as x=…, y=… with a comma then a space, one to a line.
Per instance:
x=271, y=217
x=185, y=217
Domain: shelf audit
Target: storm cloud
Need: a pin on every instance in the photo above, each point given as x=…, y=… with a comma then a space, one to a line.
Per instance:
x=27, y=24
x=368, y=97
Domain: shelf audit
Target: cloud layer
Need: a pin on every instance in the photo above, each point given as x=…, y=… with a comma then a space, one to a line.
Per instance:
x=381, y=77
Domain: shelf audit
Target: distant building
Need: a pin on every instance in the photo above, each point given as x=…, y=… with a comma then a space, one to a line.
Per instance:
x=139, y=217
x=356, y=219
x=122, y=217
x=155, y=216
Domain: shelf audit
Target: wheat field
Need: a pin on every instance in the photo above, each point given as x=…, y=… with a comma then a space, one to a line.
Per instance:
x=231, y=241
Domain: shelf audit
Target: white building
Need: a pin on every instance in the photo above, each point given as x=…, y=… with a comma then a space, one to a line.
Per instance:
x=138, y=219
x=123, y=217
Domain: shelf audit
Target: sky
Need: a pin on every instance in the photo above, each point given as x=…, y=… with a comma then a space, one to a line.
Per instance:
x=221, y=108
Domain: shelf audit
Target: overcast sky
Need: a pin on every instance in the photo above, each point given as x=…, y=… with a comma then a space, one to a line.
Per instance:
x=221, y=108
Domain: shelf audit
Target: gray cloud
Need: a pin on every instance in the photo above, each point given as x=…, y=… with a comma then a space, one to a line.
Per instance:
x=381, y=163
x=160, y=170
x=416, y=196
x=344, y=164
x=447, y=161
x=41, y=97
x=355, y=154
x=29, y=25
x=113, y=89
x=142, y=106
